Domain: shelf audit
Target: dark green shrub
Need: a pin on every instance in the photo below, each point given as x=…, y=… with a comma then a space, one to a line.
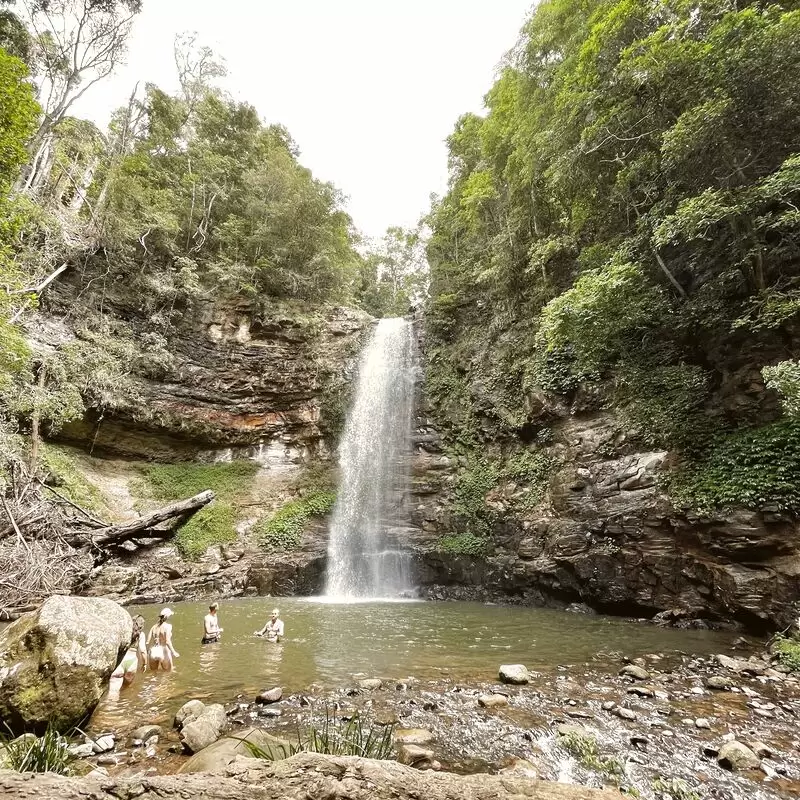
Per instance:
x=752, y=467
x=463, y=544
x=283, y=531
x=788, y=651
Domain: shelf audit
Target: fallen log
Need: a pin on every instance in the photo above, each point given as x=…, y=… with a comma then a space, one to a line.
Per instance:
x=116, y=534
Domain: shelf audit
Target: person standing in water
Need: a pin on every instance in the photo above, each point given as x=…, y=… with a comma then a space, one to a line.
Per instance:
x=273, y=629
x=162, y=653
x=211, y=628
x=135, y=659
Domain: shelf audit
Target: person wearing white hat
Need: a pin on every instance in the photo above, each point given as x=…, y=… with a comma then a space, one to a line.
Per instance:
x=162, y=653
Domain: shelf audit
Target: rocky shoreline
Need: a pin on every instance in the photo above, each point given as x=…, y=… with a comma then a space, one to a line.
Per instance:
x=662, y=726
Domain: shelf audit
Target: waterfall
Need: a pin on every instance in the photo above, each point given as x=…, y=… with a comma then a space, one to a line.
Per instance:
x=364, y=559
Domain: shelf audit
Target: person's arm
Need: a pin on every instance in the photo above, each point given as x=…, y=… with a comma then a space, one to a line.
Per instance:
x=207, y=626
x=168, y=634
x=141, y=651
x=263, y=630
x=279, y=630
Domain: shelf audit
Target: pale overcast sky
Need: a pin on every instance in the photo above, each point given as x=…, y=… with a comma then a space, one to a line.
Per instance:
x=369, y=89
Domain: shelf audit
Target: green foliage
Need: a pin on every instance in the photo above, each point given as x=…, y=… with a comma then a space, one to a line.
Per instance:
x=463, y=544
x=784, y=378
x=602, y=316
x=788, y=651
x=473, y=482
x=583, y=747
x=168, y=482
x=674, y=789
x=66, y=476
x=665, y=404
x=30, y=753
x=393, y=273
x=224, y=205
x=212, y=525
x=752, y=467
x=282, y=531
x=532, y=469
x=333, y=412
x=18, y=115
x=624, y=211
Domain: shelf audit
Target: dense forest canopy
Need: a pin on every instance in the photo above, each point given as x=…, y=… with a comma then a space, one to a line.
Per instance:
x=625, y=216
x=187, y=196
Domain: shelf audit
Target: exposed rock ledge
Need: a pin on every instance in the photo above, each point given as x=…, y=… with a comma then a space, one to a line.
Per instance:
x=298, y=778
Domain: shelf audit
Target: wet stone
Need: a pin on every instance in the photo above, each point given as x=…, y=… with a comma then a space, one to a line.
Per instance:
x=718, y=682
x=270, y=695
x=625, y=713
x=415, y=756
x=642, y=691
x=759, y=748
x=565, y=729
x=737, y=756
x=102, y=744
x=492, y=700
x=609, y=705
x=516, y=674
x=520, y=768
x=370, y=684
x=635, y=671
x=702, y=722
x=145, y=732
x=415, y=736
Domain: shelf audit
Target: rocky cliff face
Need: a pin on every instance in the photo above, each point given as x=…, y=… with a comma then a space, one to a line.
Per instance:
x=605, y=536
x=268, y=381
x=272, y=385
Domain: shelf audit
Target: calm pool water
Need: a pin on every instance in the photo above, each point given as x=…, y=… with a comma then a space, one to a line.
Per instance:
x=330, y=645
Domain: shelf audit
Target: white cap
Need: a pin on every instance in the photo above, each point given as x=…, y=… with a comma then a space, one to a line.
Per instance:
x=166, y=612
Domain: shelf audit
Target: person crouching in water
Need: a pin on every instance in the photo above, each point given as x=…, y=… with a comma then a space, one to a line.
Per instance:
x=135, y=659
x=162, y=653
x=273, y=628
x=211, y=628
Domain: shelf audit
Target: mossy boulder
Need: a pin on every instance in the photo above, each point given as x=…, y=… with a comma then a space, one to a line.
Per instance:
x=55, y=662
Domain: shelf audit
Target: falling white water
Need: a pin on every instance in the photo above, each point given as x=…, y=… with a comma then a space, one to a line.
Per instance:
x=363, y=559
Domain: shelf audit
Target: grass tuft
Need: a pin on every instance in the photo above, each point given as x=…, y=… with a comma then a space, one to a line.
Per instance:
x=335, y=736
x=30, y=753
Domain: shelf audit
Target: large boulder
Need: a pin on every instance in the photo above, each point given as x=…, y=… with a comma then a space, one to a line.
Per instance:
x=200, y=732
x=298, y=778
x=217, y=756
x=55, y=662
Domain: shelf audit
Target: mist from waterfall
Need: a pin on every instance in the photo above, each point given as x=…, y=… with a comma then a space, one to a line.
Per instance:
x=364, y=558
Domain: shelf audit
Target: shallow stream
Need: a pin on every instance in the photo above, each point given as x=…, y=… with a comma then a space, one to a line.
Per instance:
x=329, y=645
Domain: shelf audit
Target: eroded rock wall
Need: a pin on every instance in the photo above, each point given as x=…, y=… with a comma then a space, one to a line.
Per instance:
x=270, y=382
x=606, y=536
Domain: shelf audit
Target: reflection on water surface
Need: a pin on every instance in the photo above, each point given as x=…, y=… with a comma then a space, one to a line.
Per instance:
x=328, y=644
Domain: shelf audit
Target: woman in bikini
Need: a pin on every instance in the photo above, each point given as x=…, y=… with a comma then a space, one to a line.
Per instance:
x=162, y=653
x=135, y=658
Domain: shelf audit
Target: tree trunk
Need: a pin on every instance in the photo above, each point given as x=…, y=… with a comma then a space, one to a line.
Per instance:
x=36, y=418
x=116, y=534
